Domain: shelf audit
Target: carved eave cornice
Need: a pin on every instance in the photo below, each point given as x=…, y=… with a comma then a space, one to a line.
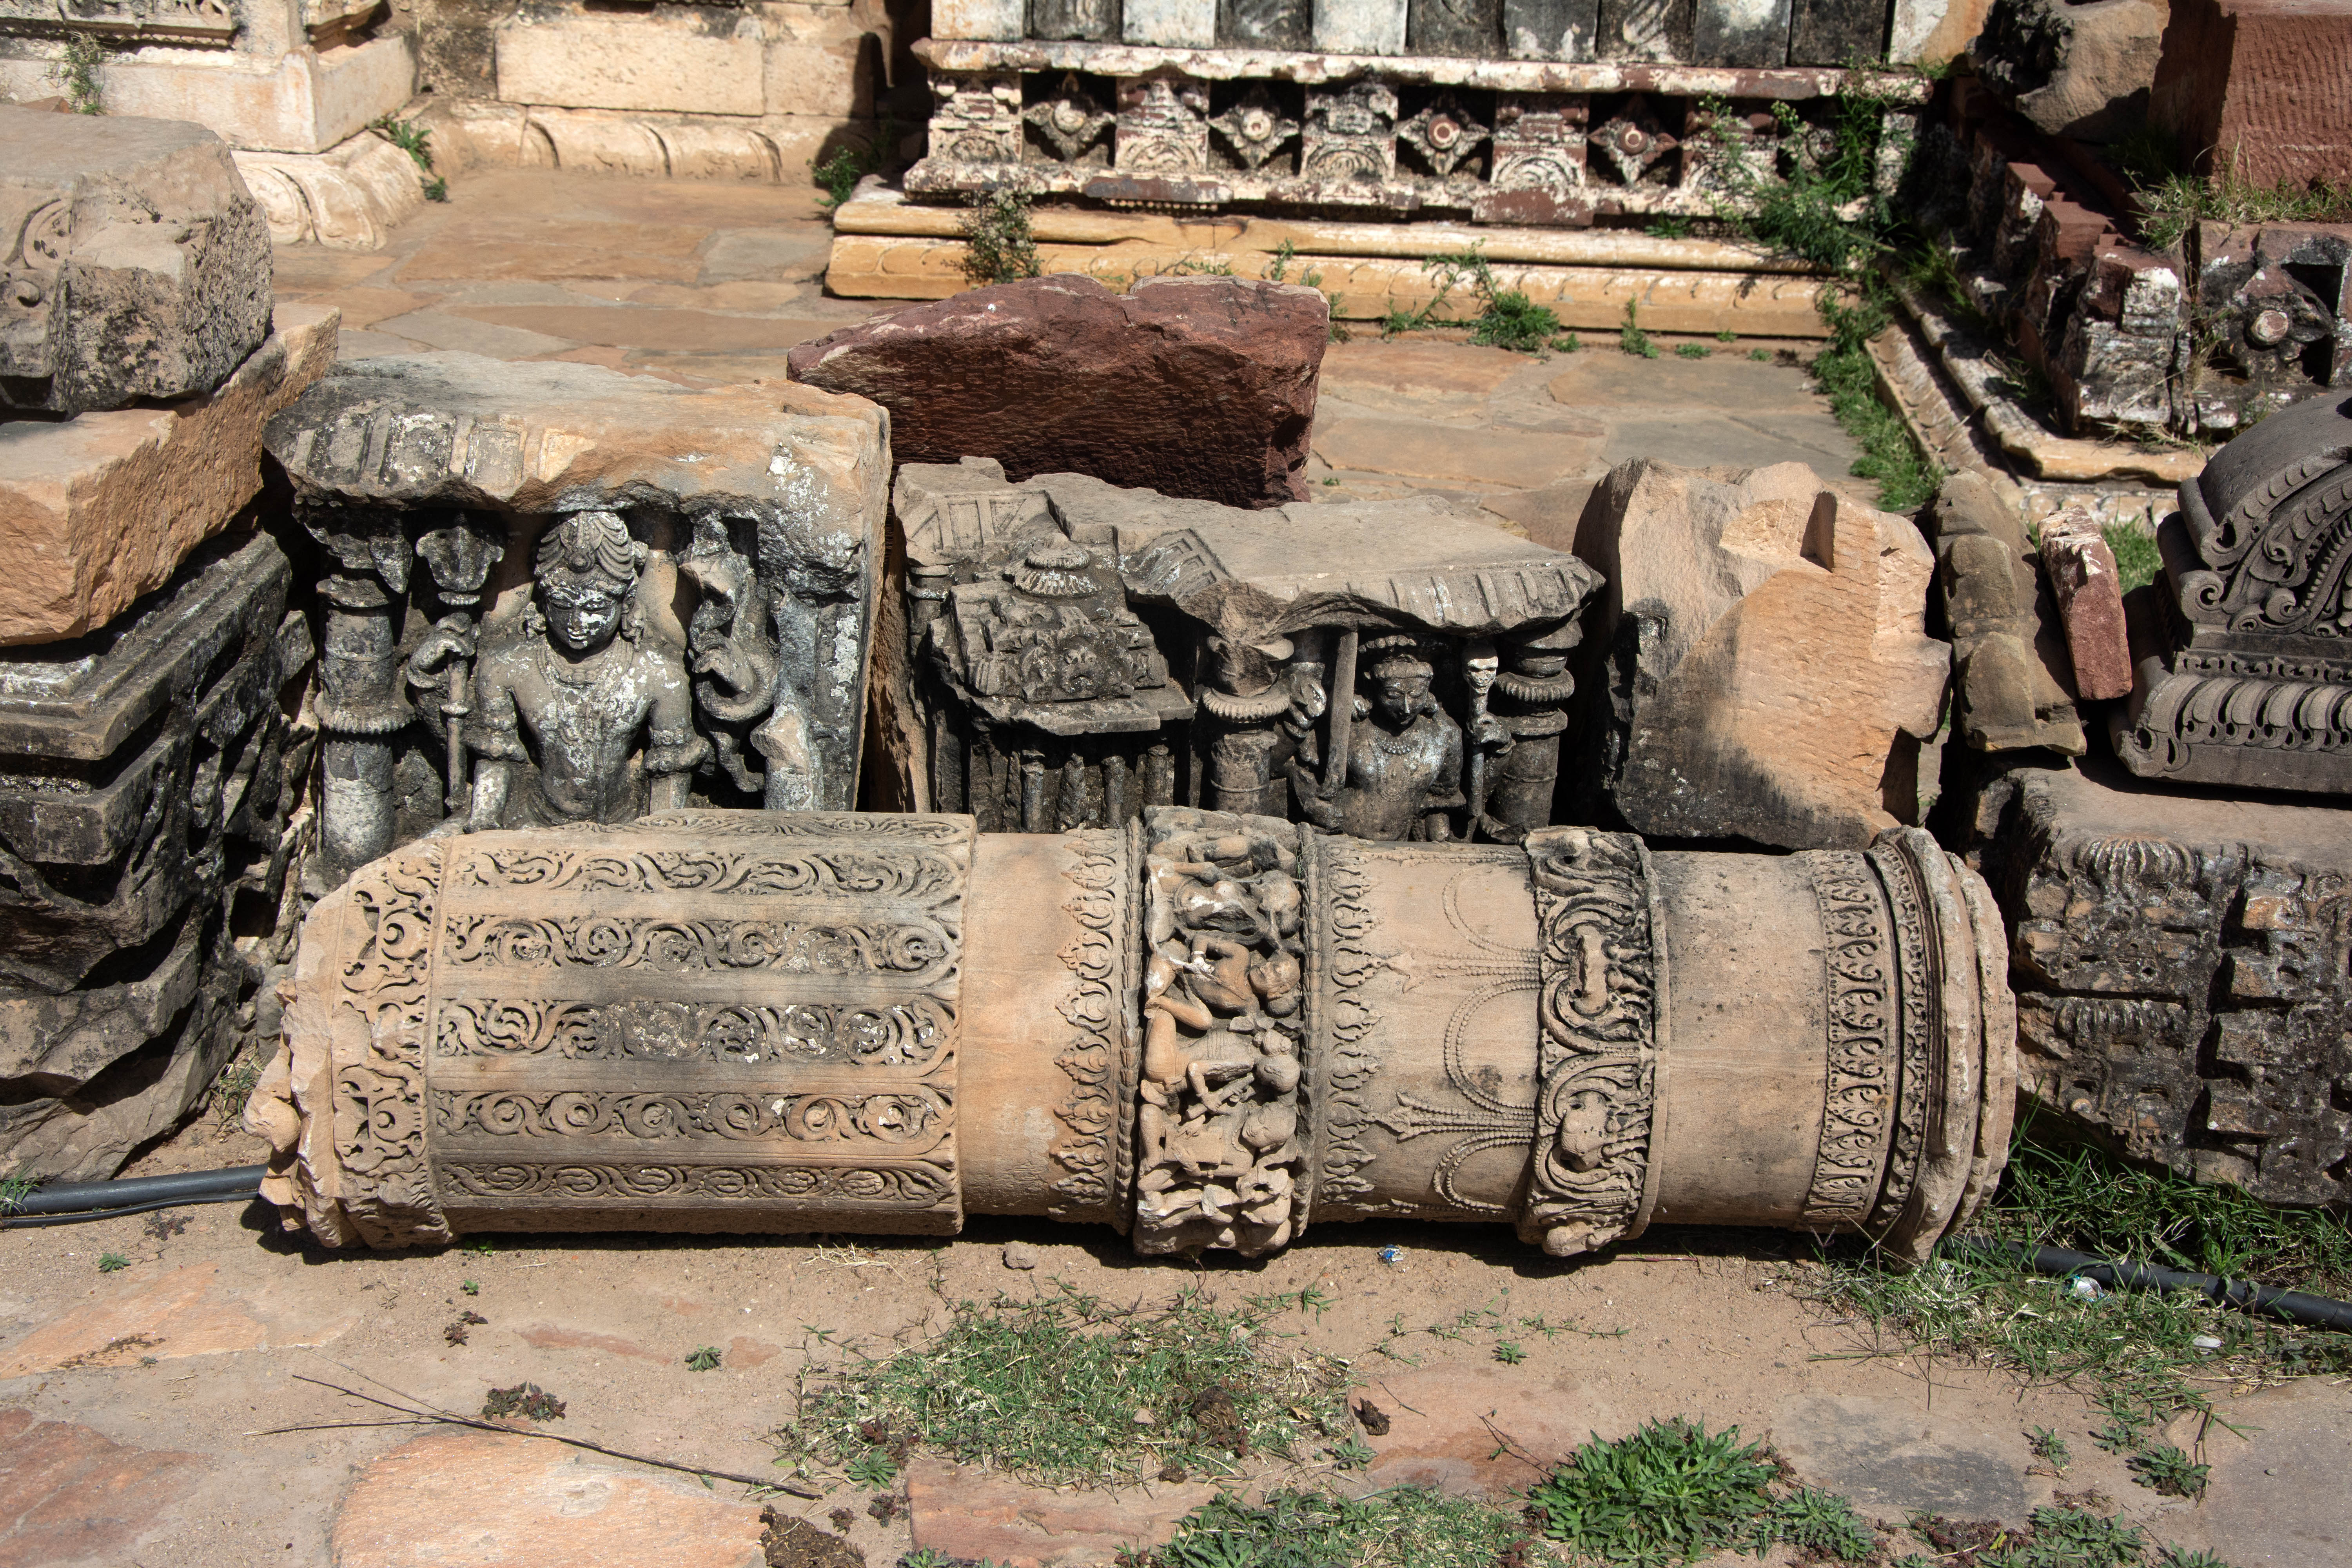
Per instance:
x=1506, y=76
x=198, y=22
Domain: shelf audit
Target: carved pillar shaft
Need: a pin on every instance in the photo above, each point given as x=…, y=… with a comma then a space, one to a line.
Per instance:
x=360, y=708
x=1215, y=1027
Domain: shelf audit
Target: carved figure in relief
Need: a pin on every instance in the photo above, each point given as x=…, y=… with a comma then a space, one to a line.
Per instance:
x=1218, y=1148
x=1260, y=709
x=1403, y=773
x=566, y=699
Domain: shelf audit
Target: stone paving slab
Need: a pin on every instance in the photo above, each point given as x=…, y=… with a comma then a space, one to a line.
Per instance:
x=75, y=1498
x=966, y=1513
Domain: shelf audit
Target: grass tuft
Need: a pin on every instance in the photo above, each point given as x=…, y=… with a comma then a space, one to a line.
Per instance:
x=1632, y=339
x=1069, y=1389
x=1506, y=318
x=1407, y=1527
x=2138, y=560
x=75, y=70
x=15, y=1189
x=1907, y=479
x=1671, y=1493
x=852, y=162
x=416, y=140
x=112, y=1263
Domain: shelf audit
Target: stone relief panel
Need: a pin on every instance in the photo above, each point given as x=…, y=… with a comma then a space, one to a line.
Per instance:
x=1081, y=654
x=557, y=595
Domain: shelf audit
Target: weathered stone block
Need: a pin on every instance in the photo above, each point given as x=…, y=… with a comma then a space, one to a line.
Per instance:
x=1768, y=674
x=140, y=266
x=1359, y=26
x=2181, y=967
x=2088, y=590
x=2006, y=646
x=1741, y=33
x=98, y=510
x=136, y=749
x=1060, y=375
x=693, y=59
x=2072, y=70
x=1173, y=24
x=1550, y=29
x=2259, y=87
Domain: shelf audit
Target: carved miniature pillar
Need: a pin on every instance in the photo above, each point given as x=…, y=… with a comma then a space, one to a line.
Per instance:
x=360, y=704
x=1217, y=1028
x=1533, y=703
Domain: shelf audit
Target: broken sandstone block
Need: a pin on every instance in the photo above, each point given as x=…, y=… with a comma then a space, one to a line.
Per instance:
x=139, y=267
x=2005, y=647
x=96, y=511
x=1770, y=675
x=2088, y=591
x=1197, y=388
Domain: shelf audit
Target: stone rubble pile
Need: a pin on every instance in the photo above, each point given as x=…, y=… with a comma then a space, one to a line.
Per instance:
x=150, y=666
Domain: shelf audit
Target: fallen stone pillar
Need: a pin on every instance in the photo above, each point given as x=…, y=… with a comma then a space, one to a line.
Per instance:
x=1211, y=1030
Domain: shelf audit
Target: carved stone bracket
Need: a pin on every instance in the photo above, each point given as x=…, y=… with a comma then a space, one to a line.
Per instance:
x=1598, y=1056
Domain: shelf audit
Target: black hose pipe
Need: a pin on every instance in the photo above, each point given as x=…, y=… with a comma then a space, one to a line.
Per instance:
x=73, y=1201
x=2294, y=1306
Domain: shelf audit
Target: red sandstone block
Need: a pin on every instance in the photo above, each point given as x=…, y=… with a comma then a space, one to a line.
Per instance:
x=2089, y=595
x=2260, y=86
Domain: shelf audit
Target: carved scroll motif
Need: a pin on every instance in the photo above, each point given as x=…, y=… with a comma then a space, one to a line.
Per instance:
x=1917, y=1018
x=1339, y=962
x=1093, y=1153
x=1598, y=1057
x=782, y=1017
x=1859, y=1006
x=379, y=1099
x=1221, y=1156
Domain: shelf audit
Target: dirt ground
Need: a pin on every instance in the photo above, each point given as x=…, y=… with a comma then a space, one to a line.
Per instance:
x=186, y=1369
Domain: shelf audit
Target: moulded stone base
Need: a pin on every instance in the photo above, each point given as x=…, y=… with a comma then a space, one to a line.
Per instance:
x=346, y=198
x=1366, y=287
x=777, y=59
x=303, y=102
x=769, y=149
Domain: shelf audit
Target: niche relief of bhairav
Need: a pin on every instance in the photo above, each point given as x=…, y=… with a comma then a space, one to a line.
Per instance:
x=579, y=714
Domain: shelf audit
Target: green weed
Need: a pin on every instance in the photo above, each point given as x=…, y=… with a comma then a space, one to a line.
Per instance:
x=2051, y=1449
x=1508, y=1353
x=2169, y=1470
x=2138, y=560
x=1907, y=479
x=2174, y=201
x=1671, y=1493
x=1632, y=339
x=483, y=1248
x=15, y=1189
x=526, y=1400
x=75, y=70
x=112, y=1263
x=414, y=139
x=1506, y=318
x=1761, y=356
x=1822, y=1525
x=998, y=244
x=235, y=1085
x=2068, y=1538
x=703, y=1358
x=471, y=1288
x=1692, y=351
x=872, y=1469
x=852, y=162
x=1351, y=1453
x=1727, y=336
x=1668, y=228
x=1051, y=1389
x=1407, y=1527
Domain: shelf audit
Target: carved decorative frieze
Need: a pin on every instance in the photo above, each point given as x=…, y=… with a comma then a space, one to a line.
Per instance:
x=1163, y=126
x=1255, y=127
x=1444, y=136
x=976, y=119
x=1859, y=1007
x=1351, y=133
x=1071, y=122
x=579, y=1026
x=146, y=21
x=1094, y=1149
x=1598, y=1058
x=1221, y=1151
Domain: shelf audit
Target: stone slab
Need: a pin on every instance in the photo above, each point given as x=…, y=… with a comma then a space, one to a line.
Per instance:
x=186, y=1312
x=1893, y=1458
x=643, y=327
x=2275, y=1497
x=1519, y=459
x=1401, y=365
x=971, y=1516
x=1060, y=375
x=2088, y=591
x=76, y=1495
x=2259, y=84
x=300, y=101
x=142, y=262
x=1742, y=33
x=490, y=1500
x=1477, y=1427
x=97, y=512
